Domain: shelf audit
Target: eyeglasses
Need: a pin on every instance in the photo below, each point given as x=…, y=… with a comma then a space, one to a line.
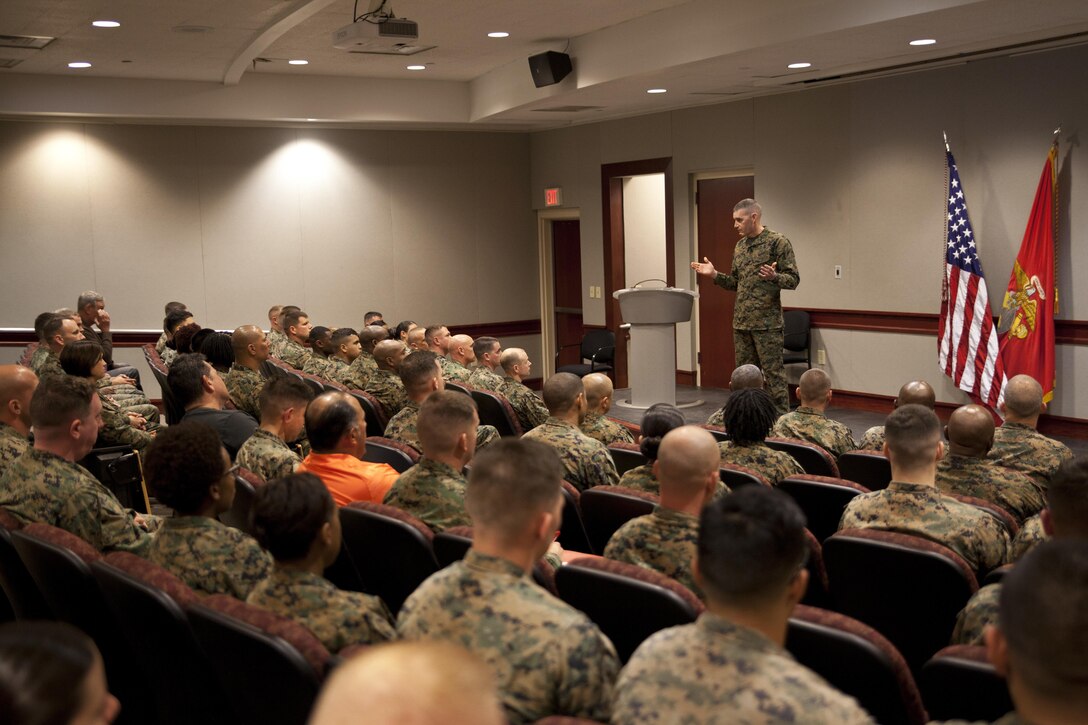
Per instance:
x=232, y=470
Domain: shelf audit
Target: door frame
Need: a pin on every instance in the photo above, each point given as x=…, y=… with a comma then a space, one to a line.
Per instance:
x=693, y=196
x=544, y=219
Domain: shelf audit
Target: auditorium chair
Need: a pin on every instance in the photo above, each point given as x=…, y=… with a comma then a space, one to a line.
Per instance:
x=858, y=661
x=400, y=456
x=452, y=544
x=272, y=667
x=174, y=411
x=869, y=468
x=276, y=367
x=717, y=431
x=606, y=508
x=320, y=385
x=148, y=601
x=20, y=589
x=626, y=456
x=628, y=602
x=996, y=575
x=391, y=550
x=373, y=411
x=28, y=354
x=823, y=500
x=959, y=683
x=118, y=469
x=816, y=595
x=598, y=347
x=813, y=458
x=572, y=532
x=458, y=388
x=246, y=483
x=735, y=476
x=909, y=588
x=496, y=410
x=796, y=331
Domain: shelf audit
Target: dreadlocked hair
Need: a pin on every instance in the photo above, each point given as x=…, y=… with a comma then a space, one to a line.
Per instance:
x=749, y=415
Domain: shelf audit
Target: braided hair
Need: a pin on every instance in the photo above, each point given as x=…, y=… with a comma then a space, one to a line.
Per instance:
x=749, y=415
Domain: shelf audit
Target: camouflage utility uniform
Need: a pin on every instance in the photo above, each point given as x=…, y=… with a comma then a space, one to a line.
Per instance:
x=319, y=365
x=209, y=556
x=340, y=371
x=527, y=405
x=809, y=424
x=663, y=541
x=757, y=314
x=717, y=418
x=641, y=478
x=402, y=427
x=921, y=510
x=453, y=371
x=387, y=387
x=267, y=455
x=484, y=378
x=771, y=464
x=714, y=671
x=981, y=478
x=362, y=367
x=12, y=445
x=336, y=617
x=548, y=658
x=873, y=440
x=117, y=429
x=245, y=386
x=1022, y=448
x=587, y=460
x=981, y=610
x=432, y=492
x=607, y=431
x=295, y=354
x=276, y=341
x=1031, y=534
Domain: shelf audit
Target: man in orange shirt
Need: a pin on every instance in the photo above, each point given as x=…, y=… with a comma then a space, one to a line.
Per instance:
x=336, y=427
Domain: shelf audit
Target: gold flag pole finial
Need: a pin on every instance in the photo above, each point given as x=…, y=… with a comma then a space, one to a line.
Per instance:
x=1057, y=132
x=949, y=150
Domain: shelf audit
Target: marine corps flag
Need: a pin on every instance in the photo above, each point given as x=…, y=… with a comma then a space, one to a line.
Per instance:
x=1026, y=326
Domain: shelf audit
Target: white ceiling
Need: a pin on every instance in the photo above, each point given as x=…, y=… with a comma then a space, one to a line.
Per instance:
x=701, y=51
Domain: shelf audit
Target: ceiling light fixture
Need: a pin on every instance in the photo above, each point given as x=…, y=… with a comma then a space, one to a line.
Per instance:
x=658, y=90
x=79, y=64
x=796, y=66
x=298, y=62
x=498, y=34
x=923, y=41
x=106, y=24
x=416, y=67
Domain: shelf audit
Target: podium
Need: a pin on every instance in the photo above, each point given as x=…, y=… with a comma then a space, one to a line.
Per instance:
x=651, y=366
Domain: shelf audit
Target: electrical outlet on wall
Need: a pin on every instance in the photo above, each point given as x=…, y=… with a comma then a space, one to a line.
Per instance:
x=838, y=271
x=821, y=357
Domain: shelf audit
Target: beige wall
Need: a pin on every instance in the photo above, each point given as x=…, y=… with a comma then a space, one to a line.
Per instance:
x=854, y=175
x=644, y=228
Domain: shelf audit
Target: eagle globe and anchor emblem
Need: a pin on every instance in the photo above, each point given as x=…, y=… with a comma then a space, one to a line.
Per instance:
x=1019, y=311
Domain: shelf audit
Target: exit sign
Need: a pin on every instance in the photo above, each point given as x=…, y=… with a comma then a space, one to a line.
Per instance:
x=553, y=196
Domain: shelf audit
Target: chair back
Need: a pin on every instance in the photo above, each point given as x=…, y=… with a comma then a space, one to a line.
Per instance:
x=717, y=431
x=869, y=468
x=816, y=595
x=28, y=354
x=118, y=469
x=813, y=458
x=174, y=412
x=735, y=476
x=391, y=550
x=959, y=683
x=857, y=660
x=796, y=333
x=20, y=589
x=384, y=450
x=888, y=580
x=376, y=419
x=626, y=456
x=246, y=483
x=599, y=347
x=458, y=388
x=823, y=499
x=627, y=602
x=572, y=533
x=606, y=508
x=496, y=410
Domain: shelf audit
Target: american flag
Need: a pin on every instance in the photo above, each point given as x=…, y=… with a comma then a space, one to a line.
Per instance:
x=967, y=349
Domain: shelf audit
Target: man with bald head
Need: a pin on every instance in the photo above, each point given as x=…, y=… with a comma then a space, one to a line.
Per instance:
x=687, y=468
x=384, y=382
x=17, y=385
x=586, y=460
x=244, y=379
x=967, y=472
x=1017, y=443
x=527, y=405
x=808, y=422
x=598, y=402
x=916, y=392
x=743, y=378
x=416, y=339
x=460, y=359
x=336, y=427
x=365, y=364
x=486, y=375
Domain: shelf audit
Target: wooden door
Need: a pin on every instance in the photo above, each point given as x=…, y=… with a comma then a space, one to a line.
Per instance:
x=715, y=199
x=567, y=289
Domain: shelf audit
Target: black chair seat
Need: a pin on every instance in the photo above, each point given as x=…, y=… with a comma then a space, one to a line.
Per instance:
x=959, y=684
x=495, y=410
x=868, y=468
x=823, y=500
x=598, y=347
x=813, y=458
x=737, y=476
x=384, y=450
x=604, y=511
x=392, y=556
x=796, y=333
x=626, y=458
x=373, y=412
x=572, y=534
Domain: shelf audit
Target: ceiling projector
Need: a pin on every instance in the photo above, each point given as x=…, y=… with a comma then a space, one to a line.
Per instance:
x=364, y=36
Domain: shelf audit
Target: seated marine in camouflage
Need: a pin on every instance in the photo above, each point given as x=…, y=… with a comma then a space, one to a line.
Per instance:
x=598, y=402
x=320, y=351
x=916, y=392
x=174, y=321
x=245, y=380
x=58, y=331
x=808, y=422
x=83, y=359
x=384, y=382
x=459, y=361
x=744, y=377
x=364, y=365
x=283, y=409
x=164, y=338
x=297, y=326
x=295, y=519
x=346, y=348
x=17, y=386
x=731, y=665
x=657, y=421
x=749, y=415
x=1017, y=443
x=275, y=327
x=188, y=469
x=527, y=405
x=487, y=373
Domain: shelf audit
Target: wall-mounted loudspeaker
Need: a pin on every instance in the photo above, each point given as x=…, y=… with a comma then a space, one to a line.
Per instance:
x=549, y=68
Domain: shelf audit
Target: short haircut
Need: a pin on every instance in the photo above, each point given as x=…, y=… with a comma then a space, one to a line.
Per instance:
x=751, y=544
x=1067, y=498
x=319, y=331
x=79, y=358
x=66, y=312
x=40, y=322
x=911, y=432
x=417, y=370
x=286, y=310
x=171, y=306
x=1043, y=613
x=402, y=328
x=814, y=384
x=1023, y=396
x=87, y=298
x=53, y=326
x=186, y=378
x=482, y=345
x=42, y=669
x=281, y=393
x=513, y=480
x=746, y=376
x=749, y=205
x=274, y=310
x=182, y=464
x=561, y=390
x=219, y=350
x=288, y=514
x=749, y=415
x=511, y=357
x=60, y=399
x=175, y=318
x=341, y=334
x=658, y=420
x=430, y=332
x=290, y=319
x=327, y=424
x=371, y=316
x=443, y=417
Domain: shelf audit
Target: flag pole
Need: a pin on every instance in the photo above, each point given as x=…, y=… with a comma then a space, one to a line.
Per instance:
x=1054, y=145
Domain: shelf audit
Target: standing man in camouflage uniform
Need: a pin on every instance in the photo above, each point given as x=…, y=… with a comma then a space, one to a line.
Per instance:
x=384, y=382
x=527, y=405
x=283, y=409
x=46, y=485
x=17, y=386
x=485, y=376
x=433, y=490
x=731, y=665
x=547, y=658
x=1017, y=444
x=687, y=469
x=587, y=460
x=244, y=379
x=808, y=422
x=911, y=504
x=296, y=325
x=916, y=392
x=461, y=357
x=763, y=266
x=598, y=402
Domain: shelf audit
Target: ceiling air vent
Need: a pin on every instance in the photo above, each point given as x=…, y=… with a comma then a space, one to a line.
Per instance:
x=31, y=42
x=568, y=109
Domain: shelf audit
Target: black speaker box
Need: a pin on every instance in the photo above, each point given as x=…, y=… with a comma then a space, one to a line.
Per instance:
x=549, y=68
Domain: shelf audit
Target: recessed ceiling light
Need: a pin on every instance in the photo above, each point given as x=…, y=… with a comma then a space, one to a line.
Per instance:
x=795, y=66
x=298, y=62
x=923, y=41
x=79, y=64
x=416, y=67
x=657, y=90
x=498, y=34
x=106, y=24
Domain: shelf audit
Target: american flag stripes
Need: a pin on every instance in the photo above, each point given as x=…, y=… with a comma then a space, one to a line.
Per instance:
x=967, y=344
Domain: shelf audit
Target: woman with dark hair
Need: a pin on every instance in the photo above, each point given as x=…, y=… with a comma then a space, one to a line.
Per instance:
x=84, y=359
x=749, y=415
x=218, y=349
x=174, y=321
x=402, y=329
x=658, y=420
x=52, y=674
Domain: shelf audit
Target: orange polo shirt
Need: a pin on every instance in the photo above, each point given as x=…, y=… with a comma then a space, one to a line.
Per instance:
x=349, y=479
